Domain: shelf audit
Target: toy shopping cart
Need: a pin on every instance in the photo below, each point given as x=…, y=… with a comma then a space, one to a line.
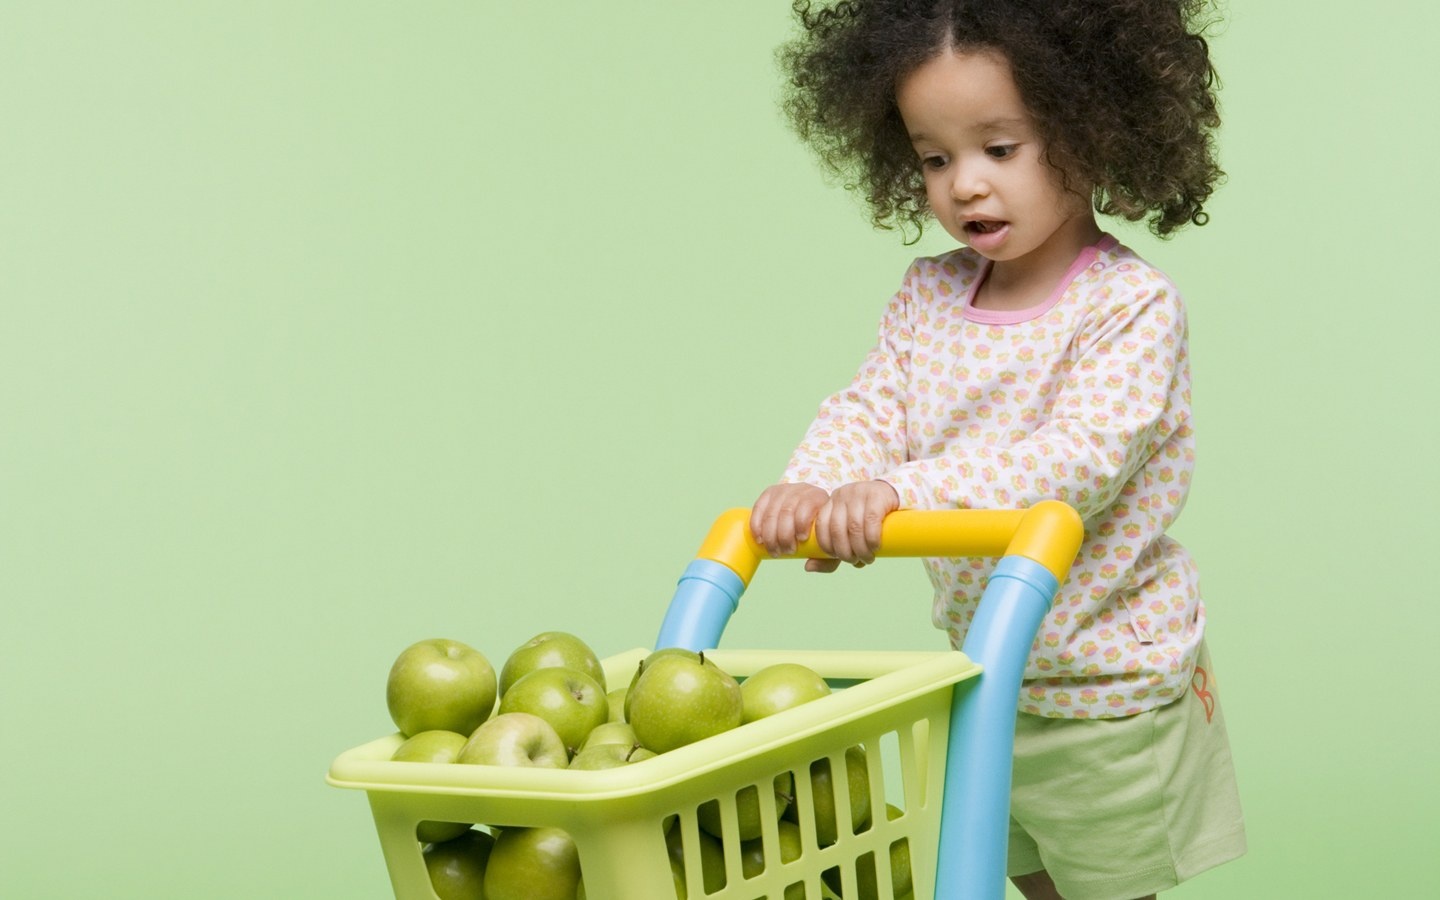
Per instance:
x=928, y=737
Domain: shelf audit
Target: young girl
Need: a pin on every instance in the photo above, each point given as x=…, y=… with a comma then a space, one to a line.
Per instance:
x=1042, y=359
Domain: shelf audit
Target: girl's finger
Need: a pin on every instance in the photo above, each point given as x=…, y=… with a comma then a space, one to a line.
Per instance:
x=771, y=531
x=805, y=513
x=757, y=519
x=874, y=518
x=788, y=523
x=841, y=523
x=822, y=527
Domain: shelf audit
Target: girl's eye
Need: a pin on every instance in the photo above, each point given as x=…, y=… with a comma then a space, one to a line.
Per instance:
x=1001, y=151
x=932, y=162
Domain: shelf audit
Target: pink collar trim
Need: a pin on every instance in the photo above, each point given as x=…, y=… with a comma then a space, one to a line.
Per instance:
x=1082, y=262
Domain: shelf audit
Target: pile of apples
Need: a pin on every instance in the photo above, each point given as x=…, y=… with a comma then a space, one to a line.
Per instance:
x=551, y=707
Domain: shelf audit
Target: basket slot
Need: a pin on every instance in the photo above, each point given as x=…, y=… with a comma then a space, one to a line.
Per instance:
x=804, y=809
x=846, y=770
x=707, y=871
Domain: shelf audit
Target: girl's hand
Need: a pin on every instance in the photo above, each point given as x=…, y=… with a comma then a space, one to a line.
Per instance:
x=781, y=518
x=848, y=525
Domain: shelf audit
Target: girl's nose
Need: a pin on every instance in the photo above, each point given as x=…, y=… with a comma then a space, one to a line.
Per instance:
x=969, y=183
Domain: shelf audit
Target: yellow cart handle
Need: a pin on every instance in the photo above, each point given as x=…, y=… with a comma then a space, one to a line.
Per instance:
x=1048, y=533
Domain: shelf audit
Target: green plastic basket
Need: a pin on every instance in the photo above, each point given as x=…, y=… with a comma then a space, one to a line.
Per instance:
x=905, y=709
x=896, y=705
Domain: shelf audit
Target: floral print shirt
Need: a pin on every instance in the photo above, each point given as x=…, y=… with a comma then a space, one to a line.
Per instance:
x=1084, y=398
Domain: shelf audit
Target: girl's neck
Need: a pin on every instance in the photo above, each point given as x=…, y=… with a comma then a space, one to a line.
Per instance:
x=1029, y=280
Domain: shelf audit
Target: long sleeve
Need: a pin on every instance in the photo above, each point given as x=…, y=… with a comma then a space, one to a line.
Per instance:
x=859, y=432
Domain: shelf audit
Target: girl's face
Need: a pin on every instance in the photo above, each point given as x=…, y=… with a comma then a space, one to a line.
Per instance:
x=985, y=174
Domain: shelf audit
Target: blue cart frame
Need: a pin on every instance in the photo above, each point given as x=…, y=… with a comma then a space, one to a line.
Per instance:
x=1036, y=547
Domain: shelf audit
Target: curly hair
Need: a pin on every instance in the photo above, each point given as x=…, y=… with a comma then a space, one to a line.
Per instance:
x=1122, y=93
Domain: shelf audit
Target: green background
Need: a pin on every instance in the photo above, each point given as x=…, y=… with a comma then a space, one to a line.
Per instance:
x=328, y=327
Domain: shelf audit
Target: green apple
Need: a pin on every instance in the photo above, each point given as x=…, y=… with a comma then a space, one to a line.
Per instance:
x=656, y=655
x=610, y=733
x=430, y=746
x=515, y=739
x=533, y=864
x=822, y=790
x=457, y=866
x=712, y=857
x=433, y=747
x=602, y=756
x=551, y=649
x=609, y=756
x=779, y=687
x=747, y=809
x=868, y=886
x=571, y=701
x=901, y=878
x=440, y=685
x=616, y=699
x=678, y=700
x=752, y=856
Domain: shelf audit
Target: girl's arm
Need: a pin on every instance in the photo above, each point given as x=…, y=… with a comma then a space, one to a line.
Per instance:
x=1125, y=400
x=859, y=433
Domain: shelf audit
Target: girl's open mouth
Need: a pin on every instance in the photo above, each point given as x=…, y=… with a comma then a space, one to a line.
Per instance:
x=986, y=234
x=985, y=226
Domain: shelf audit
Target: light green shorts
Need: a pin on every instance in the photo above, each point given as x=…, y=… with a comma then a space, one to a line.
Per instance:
x=1121, y=808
